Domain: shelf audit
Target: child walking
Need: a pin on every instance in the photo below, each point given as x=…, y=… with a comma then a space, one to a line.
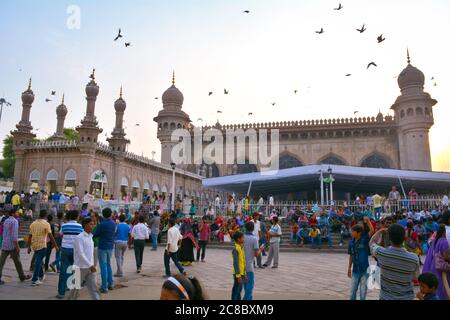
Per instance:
x=239, y=266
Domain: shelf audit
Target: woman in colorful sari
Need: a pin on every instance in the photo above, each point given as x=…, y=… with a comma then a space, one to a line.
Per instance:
x=438, y=246
x=186, y=251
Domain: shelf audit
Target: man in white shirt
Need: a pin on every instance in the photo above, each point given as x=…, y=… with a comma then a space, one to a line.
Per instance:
x=257, y=235
x=140, y=233
x=445, y=201
x=86, y=198
x=83, y=258
x=174, y=238
x=217, y=204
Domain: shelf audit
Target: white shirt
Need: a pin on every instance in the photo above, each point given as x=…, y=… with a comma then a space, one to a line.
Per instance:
x=140, y=232
x=271, y=202
x=257, y=224
x=445, y=201
x=217, y=201
x=173, y=236
x=86, y=198
x=83, y=250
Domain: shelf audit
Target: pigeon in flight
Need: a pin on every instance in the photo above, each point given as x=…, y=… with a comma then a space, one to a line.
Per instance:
x=274, y=103
x=355, y=112
x=250, y=113
x=127, y=44
x=199, y=119
x=210, y=93
x=435, y=84
x=321, y=31
x=156, y=98
x=218, y=111
x=119, y=35
x=20, y=70
x=363, y=28
x=380, y=39
x=53, y=93
x=339, y=8
x=246, y=11
x=138, y=125
x=48, y=100
x=371, y=64
x=225, y=91
x=432, y=78
x=295, y=91
x=348, y=74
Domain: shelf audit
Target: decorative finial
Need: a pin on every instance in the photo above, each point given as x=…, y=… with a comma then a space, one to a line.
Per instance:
x=407, y=54
x=62, y=101
x=120, y=91
x=92, y=76
x=29, y=85
x=173, y=77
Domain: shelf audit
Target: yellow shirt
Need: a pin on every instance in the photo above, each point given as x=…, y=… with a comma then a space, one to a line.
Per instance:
x=15, y=200
x=238, y=261
x=39, y=231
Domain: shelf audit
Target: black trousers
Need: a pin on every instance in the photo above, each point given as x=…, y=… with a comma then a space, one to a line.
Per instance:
x=139, y=252
x=202, y=247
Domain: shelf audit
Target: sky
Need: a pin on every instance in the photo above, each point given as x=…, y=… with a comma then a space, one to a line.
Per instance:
x=260, y=57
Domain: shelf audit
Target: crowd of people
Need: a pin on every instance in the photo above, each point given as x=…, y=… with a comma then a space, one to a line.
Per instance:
x=89, y=239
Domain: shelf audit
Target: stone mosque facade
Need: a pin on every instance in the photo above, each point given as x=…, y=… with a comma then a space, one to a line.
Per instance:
x=400, y=141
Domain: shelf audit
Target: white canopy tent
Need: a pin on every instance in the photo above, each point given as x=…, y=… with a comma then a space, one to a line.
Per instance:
x=347, y=179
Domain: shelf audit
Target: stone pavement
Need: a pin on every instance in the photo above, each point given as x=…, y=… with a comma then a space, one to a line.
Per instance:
x=300, y=275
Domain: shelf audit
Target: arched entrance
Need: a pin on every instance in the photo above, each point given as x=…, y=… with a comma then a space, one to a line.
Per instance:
x=98, y=182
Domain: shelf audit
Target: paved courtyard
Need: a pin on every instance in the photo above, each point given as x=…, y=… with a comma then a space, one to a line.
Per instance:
x=299, y=276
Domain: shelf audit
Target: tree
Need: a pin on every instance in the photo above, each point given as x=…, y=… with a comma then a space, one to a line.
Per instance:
x=8, y=153
x=8, y=156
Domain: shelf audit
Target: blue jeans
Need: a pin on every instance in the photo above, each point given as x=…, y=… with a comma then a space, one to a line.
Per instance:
x=237, y=289
x=66, y=261
x=104, y=259
x=317, y=241
x=174, y=257
x=377, y=213
x=38, y=266
x=359, y=280
x=154, y=241
x=248, y=287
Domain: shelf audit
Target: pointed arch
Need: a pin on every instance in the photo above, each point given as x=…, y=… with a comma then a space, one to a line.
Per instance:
x=35, y=175
x=52, y=175
x=124, y=182
x=70, y=175
x=288, y=160
x=333, y=158
x=376, y=160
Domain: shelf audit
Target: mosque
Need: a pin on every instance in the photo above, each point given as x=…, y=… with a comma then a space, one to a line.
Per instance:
x=397, y=142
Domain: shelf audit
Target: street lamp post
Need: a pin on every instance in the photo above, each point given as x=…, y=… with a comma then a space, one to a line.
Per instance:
x=321, y=187
x=172, y=204
x=330, y=171
x=102, y=177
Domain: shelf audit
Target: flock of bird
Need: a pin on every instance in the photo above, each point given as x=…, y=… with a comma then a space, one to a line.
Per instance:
x=119, y=36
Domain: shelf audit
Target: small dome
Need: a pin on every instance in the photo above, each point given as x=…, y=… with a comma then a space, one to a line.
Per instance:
x=28, y=95
x=92, y=89
x=120, y=105
x=411, y=76
x=173, y=96
x=61, y=110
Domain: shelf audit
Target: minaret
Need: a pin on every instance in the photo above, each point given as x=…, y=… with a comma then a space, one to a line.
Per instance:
x=61, y=113
x=22, y=138
x=171, y=117
x=118, y=141
x=89, y=129
x=414, y=118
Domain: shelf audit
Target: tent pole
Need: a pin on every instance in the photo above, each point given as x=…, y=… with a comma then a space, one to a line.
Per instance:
x=401, y=185
x=249, y=187
x=321, y=188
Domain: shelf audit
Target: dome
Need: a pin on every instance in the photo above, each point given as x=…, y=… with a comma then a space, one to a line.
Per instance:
x=411, y=76
x=92, y=88
x=61, y=110
x=120, y=105
x=28, y=95
x=172, y=96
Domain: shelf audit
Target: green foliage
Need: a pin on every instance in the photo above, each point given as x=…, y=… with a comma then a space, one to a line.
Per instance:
x=8, y=157
x=71, y=134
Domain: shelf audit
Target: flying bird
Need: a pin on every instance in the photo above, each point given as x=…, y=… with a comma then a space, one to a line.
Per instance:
x=339, y=8
x=127, y=44
x=210, y=93
x=355, y=112
x=250, y=113
x=119, y=35
x=363, y=28
x=246, y=11
x=348, y=74
x=274, y=103
x=48, y=100
x=432, y=78
x=20, y=70
x=218, y=111
x=321, y=31
x=156, y=98
x=138, y=125
x=199, y=119
x=435, y=84
x=295, y=91
x=225, y=91
x=380, y=39
x=371, y=64
x=53, y=93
